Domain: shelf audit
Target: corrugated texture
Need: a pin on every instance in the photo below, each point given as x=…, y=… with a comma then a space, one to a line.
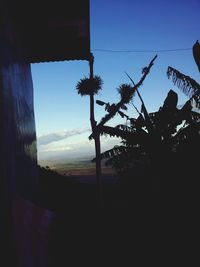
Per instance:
x=18, y=164
x=30, y=31
x=18, y=149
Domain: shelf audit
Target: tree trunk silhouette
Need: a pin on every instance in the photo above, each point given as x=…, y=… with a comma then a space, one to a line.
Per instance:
x=96, y=135
x=117, y=106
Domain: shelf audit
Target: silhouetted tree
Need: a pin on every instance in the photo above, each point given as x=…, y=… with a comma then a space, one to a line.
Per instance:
x=143, y=150
x=113, y=109
x=157, y=138
x=91, y=86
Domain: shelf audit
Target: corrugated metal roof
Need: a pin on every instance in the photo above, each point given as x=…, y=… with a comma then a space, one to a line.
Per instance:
x=52, y=31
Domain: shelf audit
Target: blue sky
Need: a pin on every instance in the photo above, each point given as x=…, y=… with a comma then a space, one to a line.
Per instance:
x=62, y=116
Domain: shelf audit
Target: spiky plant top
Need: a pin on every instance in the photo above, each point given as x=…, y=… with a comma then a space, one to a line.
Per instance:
x=88, y=86
x=126, y=92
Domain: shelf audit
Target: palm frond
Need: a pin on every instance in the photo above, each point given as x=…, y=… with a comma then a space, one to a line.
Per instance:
x=112, y=131
x=185, y=83
x=116, y=150
x=125, y=159
x=132, y=137
x=124, y=127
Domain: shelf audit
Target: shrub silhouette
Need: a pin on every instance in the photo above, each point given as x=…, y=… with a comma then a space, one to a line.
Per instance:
x=160, y=146
x=146, y=154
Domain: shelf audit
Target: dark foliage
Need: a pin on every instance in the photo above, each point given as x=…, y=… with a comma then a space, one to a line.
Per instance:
x=185, y=83
x=62, y=194
x=188, y=85
x=145, y=157
x=159, y=142
x=125, y=91
x=88, y=86
x=196, y=54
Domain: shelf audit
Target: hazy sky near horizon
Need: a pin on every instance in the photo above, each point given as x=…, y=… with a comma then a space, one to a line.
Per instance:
x=62, y=116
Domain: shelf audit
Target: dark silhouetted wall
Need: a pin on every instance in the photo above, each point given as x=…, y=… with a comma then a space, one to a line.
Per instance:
x=18, y=162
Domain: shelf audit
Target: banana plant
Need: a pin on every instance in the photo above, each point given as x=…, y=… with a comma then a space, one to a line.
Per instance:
x=185, y=83
x=173, y=129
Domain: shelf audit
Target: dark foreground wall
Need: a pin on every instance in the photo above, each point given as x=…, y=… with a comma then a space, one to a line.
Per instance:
x=18, y=149
x=17, y=125
x=18, y=161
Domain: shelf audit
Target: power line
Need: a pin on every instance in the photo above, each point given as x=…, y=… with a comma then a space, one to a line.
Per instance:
x=141, y=51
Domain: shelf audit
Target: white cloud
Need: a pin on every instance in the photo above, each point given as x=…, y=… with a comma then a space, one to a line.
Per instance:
x=67, y=149
x=54, y=137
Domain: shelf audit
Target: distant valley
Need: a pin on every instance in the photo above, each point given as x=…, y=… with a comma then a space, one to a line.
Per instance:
x=75, y=166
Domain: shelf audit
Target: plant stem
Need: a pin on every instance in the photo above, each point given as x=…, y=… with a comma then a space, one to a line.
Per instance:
x=96, y=135
x=111, y=114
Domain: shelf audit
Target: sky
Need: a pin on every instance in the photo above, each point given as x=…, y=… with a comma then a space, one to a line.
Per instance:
x=141, y=26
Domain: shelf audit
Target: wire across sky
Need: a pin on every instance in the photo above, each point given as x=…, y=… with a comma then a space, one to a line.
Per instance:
x=141, y=51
